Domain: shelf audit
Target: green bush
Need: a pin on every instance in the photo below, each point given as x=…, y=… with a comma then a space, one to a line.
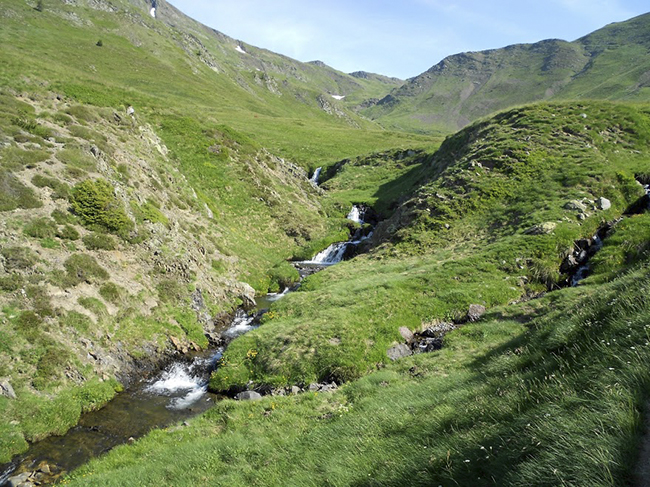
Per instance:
x=50, y=366
x=83, y=267
x=18, y=258
x=29, y=324
x=171, y=291
x=99, y=241
x=60, y=189
x=14, y=194
x=95, y=306
x=112, y=293
x=76, y=320
x=83, y=113
x=77, y=158
x=41, y=228
x=150, y=212
x=10, y=283
x=63, y=217
x=15, y=158
x=95, y=203
x=68, y=232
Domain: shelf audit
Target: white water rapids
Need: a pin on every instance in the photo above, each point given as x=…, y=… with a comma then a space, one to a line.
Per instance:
x=336, y=252
x=187, y=383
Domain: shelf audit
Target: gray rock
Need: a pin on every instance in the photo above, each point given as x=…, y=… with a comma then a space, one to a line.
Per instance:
x=603, y=203
x=541, y=229
x=399, y=351
x=406, y=334
x=248, y=396
x=295, y=390
x=6, y=389
x=575, y=205
x=475, y=312
x=16, y=480
x=313, y=387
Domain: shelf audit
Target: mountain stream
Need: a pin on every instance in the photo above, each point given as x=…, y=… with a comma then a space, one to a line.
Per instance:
x=176, y=393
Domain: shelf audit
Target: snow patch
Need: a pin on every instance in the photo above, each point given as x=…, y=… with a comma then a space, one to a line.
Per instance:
x=338, y=97
x=240, y=49
x=152, y=12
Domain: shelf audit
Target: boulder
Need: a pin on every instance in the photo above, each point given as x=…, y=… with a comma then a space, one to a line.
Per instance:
x=6, y=389
x=248, y=396
x=475, y=312
x=406, y=334
x=295, y=390
x=399, y=351
x=19, y=479
x=603, y=203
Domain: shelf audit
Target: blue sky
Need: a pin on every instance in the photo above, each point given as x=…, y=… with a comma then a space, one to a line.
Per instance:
x=401, y=38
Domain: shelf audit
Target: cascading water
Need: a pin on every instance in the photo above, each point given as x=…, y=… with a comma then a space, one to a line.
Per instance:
x=178, y=392
x=336, y=252
x=356, y=215
x=315, y=176
x=583, y=270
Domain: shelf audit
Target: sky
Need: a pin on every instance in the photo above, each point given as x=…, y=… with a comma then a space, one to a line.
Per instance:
x=401, y=38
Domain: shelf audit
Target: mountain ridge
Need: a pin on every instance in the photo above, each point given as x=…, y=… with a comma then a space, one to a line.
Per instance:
x=466, y=86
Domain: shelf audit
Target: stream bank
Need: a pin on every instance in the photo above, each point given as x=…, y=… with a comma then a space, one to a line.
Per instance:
x=177, y=391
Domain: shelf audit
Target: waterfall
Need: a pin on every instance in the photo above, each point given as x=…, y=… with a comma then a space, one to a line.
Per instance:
x=315, y=176
x=356, y=215
x=335, y=252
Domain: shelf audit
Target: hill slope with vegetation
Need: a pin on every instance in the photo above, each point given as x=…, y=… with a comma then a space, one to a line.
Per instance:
x=153, y=177
x=612, y=63
x=547, y=387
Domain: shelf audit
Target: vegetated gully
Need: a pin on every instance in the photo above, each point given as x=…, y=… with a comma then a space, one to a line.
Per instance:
x=174, y=394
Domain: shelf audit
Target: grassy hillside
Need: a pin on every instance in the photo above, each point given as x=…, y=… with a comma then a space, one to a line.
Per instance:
x=547, y=388
x=611, y=63
x=152, y=178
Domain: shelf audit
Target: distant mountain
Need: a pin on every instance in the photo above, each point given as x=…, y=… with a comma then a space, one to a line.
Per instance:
x=612, y=63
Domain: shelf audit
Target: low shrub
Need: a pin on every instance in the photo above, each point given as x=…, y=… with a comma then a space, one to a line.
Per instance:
x=99, y=241
x=112, y=293
x=83, y=267
x=171, y=291
x=76, y=320
x=41, y=228
x=14, y=194
x=68, y=232
x=28, y=324
x=95, y=203
x=60, y=190
x=63, y=217
x=18, y=258
x=11, y=282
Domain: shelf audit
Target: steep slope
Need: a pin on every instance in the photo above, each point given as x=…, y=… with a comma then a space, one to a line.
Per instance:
x=546, y=388
x=611, y=63
x=133, y=216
